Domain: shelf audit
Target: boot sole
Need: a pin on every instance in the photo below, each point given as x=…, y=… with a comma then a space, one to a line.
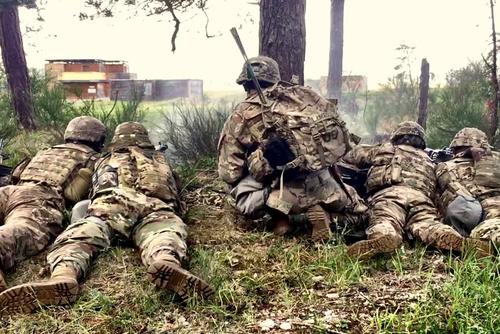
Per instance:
x=368, y=248
x=167, y=276
x=320, y=222
x=26, y=298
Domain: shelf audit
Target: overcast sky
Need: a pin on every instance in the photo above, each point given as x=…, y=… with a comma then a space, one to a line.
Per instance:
x=448, y=33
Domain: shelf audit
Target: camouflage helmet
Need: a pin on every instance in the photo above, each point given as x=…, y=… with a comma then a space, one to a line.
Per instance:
x=86, y=129
x=408, y=128
x=131, y=134
x=470, y=137
x=266, y=70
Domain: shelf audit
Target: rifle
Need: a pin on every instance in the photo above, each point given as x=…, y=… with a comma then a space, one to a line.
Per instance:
x=441, y=155
x=236, y=36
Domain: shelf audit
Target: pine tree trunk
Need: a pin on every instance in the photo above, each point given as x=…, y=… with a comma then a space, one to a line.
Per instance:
x=424, y=93
x=334, y=83
x=494, y=76
x=282, y=35
x=16, y=69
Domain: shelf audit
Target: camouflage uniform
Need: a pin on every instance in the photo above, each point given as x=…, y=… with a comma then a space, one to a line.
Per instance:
x=135, y=197
x=473, y=173
x=401, y=183
x=31, y=210
x=310, y=190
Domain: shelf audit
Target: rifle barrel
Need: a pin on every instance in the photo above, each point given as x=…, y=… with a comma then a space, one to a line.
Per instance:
x=237, y=38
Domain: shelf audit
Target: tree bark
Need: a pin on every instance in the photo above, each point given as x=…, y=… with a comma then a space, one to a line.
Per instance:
x=334, y=83
x=16, y=69
x=494, y=77
x=424, y=93
x=282, y=35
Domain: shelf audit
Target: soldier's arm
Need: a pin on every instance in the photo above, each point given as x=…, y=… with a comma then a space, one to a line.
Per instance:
x=449, y=186
x=78, y=189
x=232, y=153
x=361, y=156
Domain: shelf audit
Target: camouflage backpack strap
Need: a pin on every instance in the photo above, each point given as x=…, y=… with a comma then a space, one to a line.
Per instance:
x=316, y=136
x=105, y=176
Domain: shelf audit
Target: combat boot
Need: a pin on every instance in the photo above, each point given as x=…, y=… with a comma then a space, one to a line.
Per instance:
x=450, y=241
x=367, y=248
x=320, y=222
x=3, y=284
x=481, y=248
x=61, y=289
x=282, y=227
x=167, y=273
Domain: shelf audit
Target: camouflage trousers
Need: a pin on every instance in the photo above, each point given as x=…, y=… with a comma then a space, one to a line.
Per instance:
x=489, y=228
x=398, y=211
x=299, y=194
x=121, y=213
x=32, y=218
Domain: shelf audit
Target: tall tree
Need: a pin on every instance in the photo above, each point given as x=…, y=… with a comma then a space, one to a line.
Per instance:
x=424, y=93
x=334, y=83
x=494, y=103
x=14, y=61
x=282, y=35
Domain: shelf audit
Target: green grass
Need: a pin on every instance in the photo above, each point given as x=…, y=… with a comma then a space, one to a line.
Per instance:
x=257, y=276
x=468, y=303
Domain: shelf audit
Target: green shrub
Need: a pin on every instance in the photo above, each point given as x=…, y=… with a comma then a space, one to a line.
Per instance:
x=192, y=131
x=460, y=103
x=53, y=112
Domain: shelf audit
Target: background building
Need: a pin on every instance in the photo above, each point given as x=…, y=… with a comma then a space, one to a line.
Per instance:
x=110, y=79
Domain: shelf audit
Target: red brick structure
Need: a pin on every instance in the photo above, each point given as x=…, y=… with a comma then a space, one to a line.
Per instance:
x=110, y=79
x=87, y=78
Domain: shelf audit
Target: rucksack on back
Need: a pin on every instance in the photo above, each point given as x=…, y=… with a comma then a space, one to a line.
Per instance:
x=309, y=123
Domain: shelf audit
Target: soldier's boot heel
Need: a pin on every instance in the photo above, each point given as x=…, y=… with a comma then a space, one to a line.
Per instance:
x=320, y=222
x=367, y=248
x=169, y=275
x=25, y=298
x=3, y=283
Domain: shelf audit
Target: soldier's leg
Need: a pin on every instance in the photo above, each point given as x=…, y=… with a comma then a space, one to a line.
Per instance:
x=4, y=196
x=69, y=259
x=28, y=228
x=489, y=228
x=491, y=207
x=424, y=225
x=160, y=237
x=384, y=233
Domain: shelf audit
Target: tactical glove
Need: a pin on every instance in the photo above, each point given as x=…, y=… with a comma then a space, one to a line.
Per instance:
x=258, y=166
x=278, y=152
